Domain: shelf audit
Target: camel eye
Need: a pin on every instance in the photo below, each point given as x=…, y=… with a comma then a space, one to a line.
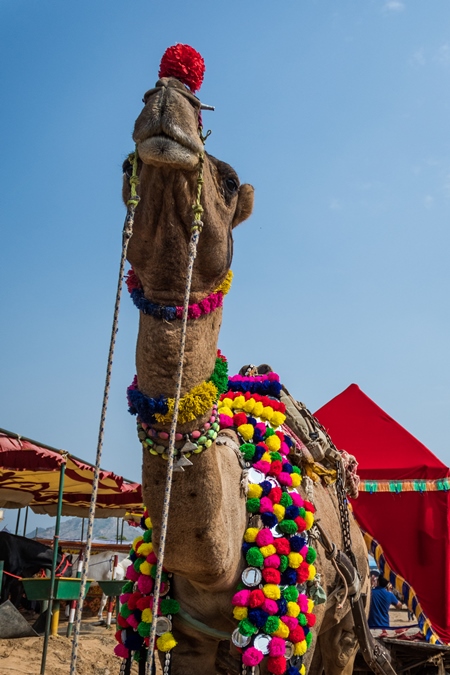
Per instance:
x=231, y=184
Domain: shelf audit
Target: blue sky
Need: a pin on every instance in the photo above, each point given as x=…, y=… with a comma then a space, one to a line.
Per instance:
x=337, y=113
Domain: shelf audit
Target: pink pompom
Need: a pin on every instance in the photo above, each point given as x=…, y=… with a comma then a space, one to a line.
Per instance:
x=132, y=621
x=121, y=651
x=272, y=561
x=262, y=465
x=304, y=552
x=261, y=427
x=241, y=598
x=131, y=573
x=303, y=602
x=284, y=449
x=264, y=537
x=277, y=646
x=270, y=606
x=265, y=505
x=151, y=558
x=145, y=584
x=285, y=478
x=225, y=421
x=290, y=621
x=297, y=499
x=252, y=656
x=124, y=598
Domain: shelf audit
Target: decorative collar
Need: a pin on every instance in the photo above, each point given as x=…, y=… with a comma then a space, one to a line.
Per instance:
x=175, y=312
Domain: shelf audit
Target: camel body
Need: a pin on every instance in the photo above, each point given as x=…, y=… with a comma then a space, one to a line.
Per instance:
x=208, y=516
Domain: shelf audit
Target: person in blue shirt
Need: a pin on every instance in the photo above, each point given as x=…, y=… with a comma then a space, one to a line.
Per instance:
x=380, y=601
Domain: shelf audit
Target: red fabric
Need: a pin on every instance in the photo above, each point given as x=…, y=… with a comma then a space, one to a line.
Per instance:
x=412, y=527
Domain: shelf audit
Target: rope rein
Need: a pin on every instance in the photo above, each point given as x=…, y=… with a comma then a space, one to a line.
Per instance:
x=196, y=229
x=126, y=236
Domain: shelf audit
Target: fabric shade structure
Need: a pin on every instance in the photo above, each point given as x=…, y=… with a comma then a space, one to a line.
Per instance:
x=403, y=505
x=29, y=472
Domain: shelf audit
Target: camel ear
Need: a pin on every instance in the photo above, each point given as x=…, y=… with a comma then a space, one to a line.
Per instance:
x=244, y=205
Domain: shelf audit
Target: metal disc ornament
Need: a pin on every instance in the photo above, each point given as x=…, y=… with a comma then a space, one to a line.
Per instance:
x=166, y=589
x=163, y=625
x=251, y=576
x=262, y=643
x=240, y=640
x=255, y=476
x=296, y=661
x=273, y=481
x=276, y=531
x=289, y=653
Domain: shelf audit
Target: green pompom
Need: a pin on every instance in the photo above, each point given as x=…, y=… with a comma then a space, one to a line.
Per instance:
x=302, y=619
x=302, y=512
x=309, y=638
x=144, y=629
x=137, y=564
x=288, y=526
x=147, y=536
x=248, y=450
x=311, y=555
x=219, y=376
x=290, y=593
x=276, y=456
x=254, y=557
x=269, y=432
x=128, y=587
x=295, y=469
x=284, y=562
x=253, y=504
x=170, y=606
x=125, y=611
x=137, y=655
x=164, y=576
x=286, y=500
x=272, y=624
x=246, y=627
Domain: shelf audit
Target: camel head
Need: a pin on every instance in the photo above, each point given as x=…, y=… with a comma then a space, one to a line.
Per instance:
x=168, y=138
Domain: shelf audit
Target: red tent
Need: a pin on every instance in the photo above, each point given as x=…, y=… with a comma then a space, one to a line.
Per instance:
x=403, y=505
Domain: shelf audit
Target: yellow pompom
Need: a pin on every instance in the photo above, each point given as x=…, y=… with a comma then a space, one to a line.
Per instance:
x=257, y=410
x=227, y=402
x=300, y=648
x=268, y=550
x=271, y=591
x=295, y=559
x=145, y=568
x=296, y=479
x=312, y=573
x=148, y=523
x=310, y=605
x=249, y=405
x=166, y=642
x=147, y=615
x=282, y=631
x=266, y=458
x=250, y=534
x=273, y=443
x=279, y=511
x=267, y=412
x=277, y=419
x=238, y=402
x=240, y=613
x=226, y=411
x=145, y=550
x=254, y=490
x=246, y=431
x=308, y=518
x=302, y=670
x=293, y=609
x=137, y=541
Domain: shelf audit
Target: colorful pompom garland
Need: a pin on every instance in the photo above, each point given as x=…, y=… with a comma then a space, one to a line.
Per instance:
x=175, y=312
x=136, y=602
x=275, y=618
x=196, y=403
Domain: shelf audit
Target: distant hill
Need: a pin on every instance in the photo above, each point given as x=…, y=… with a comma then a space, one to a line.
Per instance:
x=105, y=529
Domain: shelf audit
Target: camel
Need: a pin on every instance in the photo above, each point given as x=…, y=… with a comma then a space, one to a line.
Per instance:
x=208, y=515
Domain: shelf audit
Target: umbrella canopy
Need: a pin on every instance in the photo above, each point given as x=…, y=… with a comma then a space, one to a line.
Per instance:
x=403, y=505
x=29, y=472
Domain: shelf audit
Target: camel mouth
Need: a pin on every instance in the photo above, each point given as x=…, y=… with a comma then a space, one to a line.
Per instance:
x=162, y=149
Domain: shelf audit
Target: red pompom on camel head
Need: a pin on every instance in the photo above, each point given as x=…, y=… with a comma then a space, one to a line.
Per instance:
x=185, y=64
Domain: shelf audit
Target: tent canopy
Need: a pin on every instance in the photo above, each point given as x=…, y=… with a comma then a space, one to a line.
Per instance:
x=407, y=508
x=28, y=468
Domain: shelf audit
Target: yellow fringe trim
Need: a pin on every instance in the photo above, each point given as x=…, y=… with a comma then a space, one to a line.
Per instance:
x=226, y=283
x=194, y=404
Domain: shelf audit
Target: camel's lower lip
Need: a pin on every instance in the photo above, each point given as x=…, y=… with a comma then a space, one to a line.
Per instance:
x=161, y=149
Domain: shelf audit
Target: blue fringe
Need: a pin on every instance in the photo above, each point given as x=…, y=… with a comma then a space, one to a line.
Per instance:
x=264, y=388
x=166, y=312
x=146, y=408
